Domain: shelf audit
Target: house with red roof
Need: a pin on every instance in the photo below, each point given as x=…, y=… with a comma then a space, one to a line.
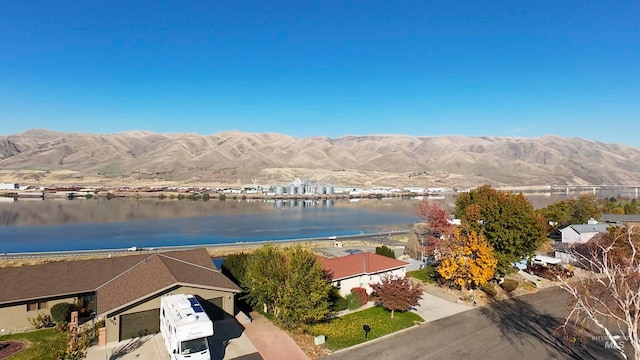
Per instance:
x=360, y=270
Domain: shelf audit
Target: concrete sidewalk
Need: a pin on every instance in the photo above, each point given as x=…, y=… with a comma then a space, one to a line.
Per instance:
x=272, y=342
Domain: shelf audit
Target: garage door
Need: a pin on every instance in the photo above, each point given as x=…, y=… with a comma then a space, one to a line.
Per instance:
x=139, y=324
x=214, y=308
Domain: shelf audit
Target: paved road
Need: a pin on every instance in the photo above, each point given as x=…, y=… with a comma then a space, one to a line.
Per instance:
x=516, y=329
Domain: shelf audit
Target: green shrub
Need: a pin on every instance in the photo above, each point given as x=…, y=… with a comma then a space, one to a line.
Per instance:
x=386, y=251
x=162, y=196
x=205, y=197
x=509, y=285
x=489, y=289
x=336, y=301
x=222, y=197
x=339, y=303
x=62, y=312
x=352, y=302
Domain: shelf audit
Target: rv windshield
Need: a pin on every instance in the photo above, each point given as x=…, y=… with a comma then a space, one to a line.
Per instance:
x=193, y=346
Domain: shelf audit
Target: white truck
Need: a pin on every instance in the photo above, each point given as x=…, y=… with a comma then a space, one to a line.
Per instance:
x=185, y=327
x=545, y=260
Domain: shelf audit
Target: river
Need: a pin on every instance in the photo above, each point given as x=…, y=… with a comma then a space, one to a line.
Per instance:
x=58, y=225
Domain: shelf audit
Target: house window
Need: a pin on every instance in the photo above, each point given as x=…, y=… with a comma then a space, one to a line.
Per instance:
x=37, y=305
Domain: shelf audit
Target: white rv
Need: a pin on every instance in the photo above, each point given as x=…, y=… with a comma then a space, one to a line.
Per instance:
x=185, y=327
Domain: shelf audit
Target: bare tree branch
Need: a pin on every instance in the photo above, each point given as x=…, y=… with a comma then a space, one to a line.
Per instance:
x=608, y=297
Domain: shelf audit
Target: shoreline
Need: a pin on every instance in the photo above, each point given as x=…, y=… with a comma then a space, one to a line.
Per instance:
x=222, y=250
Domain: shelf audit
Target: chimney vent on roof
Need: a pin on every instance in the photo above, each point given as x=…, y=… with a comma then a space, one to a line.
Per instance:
x=592, y=221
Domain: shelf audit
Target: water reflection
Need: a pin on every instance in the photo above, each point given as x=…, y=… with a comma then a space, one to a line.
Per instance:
x=277, y=224
x=26, y=212
x=48, y=225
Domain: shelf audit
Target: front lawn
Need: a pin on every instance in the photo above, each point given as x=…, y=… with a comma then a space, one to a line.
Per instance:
x=427, y=274
x=347, y=330
x=40, y=344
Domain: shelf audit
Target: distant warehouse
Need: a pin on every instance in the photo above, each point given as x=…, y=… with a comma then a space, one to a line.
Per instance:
x=7, y=186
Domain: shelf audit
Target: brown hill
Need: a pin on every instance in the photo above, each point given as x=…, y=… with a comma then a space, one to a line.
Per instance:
x=237, y=158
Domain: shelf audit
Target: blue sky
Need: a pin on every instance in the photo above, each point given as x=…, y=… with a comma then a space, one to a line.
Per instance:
x=331, y=68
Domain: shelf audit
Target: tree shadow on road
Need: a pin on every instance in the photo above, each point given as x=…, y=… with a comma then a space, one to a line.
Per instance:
x=519, y=321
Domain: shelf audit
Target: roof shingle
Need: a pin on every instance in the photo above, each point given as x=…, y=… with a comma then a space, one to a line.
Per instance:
x=118, y=280
x=358, y=264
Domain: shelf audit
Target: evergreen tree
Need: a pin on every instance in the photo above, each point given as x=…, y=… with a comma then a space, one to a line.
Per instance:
x=385, y=251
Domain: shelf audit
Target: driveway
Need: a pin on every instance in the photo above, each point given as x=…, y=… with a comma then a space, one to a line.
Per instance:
x=228, y=342
x=432, y=308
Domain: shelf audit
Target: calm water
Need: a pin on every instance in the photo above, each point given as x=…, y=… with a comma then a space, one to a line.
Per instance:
x=51, y=225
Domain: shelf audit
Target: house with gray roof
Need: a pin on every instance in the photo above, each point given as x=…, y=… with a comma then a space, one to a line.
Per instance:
x=627, y=219
x=581, y=233
x=124, y=290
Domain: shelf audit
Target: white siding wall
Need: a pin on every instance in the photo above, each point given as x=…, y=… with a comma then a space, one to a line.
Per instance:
x=570, y=236
x=364, y=280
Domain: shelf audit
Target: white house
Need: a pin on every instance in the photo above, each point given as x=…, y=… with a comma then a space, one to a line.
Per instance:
x=581, y=233
x=359, y=270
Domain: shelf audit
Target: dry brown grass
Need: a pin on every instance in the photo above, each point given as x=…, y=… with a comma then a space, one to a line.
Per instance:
x=236, y=158
x=4, y=263
x=306, y=343
x=218, y=251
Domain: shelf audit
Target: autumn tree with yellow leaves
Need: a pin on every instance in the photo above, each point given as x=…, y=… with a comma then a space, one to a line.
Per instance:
x=468, y=260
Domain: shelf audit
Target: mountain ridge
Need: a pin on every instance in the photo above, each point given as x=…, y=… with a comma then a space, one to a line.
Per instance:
x=235, y=157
